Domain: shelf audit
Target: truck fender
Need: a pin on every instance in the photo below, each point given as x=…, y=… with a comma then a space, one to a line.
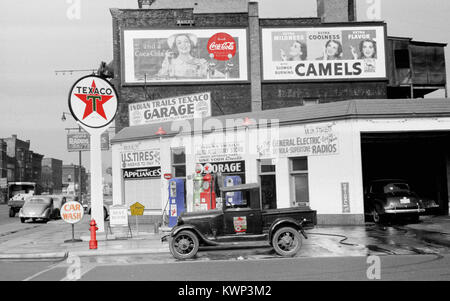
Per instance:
x=285, y=222
x=191, y=228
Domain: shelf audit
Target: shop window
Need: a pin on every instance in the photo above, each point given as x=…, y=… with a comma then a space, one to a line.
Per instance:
x=299, y=182
x=178, y=163
x=266, y=171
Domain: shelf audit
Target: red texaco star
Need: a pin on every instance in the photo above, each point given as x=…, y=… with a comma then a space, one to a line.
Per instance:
x=94, y=102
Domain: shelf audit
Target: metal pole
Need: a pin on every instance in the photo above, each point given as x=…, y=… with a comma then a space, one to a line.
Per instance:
x=79, y=176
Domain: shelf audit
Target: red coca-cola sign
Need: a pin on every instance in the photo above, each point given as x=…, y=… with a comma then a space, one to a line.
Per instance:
x=221, y=46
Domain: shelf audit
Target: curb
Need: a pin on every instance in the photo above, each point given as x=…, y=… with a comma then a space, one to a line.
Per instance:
x=41, y=256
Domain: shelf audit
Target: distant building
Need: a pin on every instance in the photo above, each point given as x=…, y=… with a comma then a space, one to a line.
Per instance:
x=71, y=179
x=52, y=175
x=22, y=164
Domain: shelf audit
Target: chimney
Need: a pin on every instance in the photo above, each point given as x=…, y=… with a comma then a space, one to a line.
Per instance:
x=145, y=4
x=336, y=10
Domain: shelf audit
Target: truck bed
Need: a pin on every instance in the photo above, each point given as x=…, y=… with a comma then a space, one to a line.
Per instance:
x=297, y=213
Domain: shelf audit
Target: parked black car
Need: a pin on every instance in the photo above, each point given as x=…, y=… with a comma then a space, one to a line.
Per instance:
x=232, y=224
x=387, y=198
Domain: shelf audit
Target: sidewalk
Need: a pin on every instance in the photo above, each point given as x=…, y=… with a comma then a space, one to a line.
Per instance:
x=437, y=229
x=49, y=242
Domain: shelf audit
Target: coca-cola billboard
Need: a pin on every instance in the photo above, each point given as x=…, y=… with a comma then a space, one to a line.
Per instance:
x=184, y=55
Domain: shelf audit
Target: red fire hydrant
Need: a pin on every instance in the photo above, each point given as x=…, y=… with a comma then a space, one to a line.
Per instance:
x=93, y=241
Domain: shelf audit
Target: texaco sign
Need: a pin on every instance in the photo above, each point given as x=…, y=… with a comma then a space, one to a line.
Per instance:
x=93, y=101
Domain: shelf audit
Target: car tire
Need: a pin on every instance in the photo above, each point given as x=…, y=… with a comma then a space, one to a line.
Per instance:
x=12, y=212
x=287, y=241
x=415, y=219
x=184, y=245
x=22, y=220
x=377, y=217
x=56, y=214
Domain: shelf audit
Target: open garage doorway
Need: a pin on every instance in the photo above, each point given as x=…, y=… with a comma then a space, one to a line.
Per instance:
x=421, y=158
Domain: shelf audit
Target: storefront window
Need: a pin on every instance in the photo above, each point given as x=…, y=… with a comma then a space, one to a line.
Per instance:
x=268, y=184
x=178, y=162
x=299, y=182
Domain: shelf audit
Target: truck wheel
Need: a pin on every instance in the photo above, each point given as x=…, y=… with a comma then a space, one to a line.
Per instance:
x=12, y=212
x=184, y=245
x=287, y=241
x=377, y=217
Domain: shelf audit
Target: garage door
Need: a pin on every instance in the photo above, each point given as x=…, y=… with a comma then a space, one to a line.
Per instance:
x=145, y=191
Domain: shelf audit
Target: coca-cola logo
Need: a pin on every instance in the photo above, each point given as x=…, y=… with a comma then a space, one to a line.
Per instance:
x=221, y=46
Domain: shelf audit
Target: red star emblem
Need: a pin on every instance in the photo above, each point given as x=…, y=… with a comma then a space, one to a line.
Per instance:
x=94, y=101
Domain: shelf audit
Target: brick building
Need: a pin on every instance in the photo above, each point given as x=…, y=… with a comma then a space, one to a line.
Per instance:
x=52, y=175
x=71, y=178
x=350, y=96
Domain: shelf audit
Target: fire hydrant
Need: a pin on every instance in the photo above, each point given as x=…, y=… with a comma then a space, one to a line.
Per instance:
x=93, y=241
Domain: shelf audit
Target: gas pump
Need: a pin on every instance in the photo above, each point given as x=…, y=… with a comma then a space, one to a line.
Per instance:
x=233, y=198
x=176, y=200
x=208, y=196
x=198, y=188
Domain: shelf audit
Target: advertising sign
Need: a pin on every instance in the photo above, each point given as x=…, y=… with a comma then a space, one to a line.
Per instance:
x=118, y=215
x=320, y=53
x=220, y=152
x=137, y=209
x=319, y=140
x=72, y=212
x=93, y=101
x=3, y=182
x=240, y=224
x=184, y=55
x=80, y=142
x=226, y=167
x=141, y=173
x=345, y=198
x=170, y=109
x=140, y=158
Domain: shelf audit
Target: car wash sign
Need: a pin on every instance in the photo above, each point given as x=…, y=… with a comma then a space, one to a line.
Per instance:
x=170, y=109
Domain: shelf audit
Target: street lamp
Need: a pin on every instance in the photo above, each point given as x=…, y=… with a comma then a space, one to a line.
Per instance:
x=80, y=184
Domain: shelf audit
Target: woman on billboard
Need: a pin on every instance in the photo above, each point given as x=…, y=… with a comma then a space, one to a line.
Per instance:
x=297, y=52
x=179, y=61
x=333, y=51
x=367, y=50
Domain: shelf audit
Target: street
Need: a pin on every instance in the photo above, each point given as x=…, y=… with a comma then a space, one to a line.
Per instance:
x=164, y=268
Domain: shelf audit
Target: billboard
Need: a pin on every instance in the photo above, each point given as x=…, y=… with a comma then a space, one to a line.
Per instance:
x=170, y=109
x=324, y=53
x=184, y=55
x=77, y=142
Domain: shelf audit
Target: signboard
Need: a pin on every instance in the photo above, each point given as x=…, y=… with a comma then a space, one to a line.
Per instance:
x=137, y=209
x=80, y=142
x=72, y=212
x=141, y=173
x=93, y=101
x=225, y=167
x=140, y=158
x=240, y=224
x=345, y=198
x=183, y=55
x=220, y=152
x=118, y=215
x=170, y=109
x=323, y=53
x=167, y=176
x=318, y=140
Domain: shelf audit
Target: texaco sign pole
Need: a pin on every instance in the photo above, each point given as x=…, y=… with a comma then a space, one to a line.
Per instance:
x=93, y=103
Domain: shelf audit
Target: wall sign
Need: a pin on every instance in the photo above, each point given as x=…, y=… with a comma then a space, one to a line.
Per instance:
x=181, y=55
x=319, y=53
x=345, y=197
x=220, y=152
x=140, y=158
x=141, y=173
x=226, y=167
x=170, y=109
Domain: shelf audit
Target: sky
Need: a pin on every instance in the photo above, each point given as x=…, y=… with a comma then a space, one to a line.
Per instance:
x=39, y=37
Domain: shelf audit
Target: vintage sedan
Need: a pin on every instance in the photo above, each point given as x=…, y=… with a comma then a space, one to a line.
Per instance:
x=40, y=207
x=388, y=198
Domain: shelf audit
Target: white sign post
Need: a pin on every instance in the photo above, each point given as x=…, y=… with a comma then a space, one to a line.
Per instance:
x=93, y=103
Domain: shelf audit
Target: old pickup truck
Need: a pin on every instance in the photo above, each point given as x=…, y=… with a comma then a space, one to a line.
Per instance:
x=232, y=224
